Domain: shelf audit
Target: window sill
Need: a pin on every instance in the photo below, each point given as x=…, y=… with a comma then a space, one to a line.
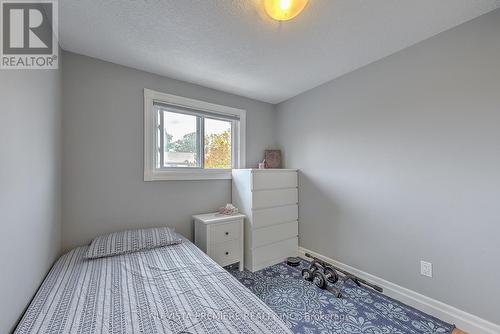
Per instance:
x=181, y=175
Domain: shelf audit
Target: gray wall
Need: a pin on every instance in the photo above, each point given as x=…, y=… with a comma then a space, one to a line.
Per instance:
x=103, y=187
x=30, y=151
x=400, y=161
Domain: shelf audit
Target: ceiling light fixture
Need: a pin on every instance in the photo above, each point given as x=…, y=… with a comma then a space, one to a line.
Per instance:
x=283, y=10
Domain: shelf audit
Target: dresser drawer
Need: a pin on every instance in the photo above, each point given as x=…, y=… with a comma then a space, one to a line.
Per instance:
x=274, y=180
x=227, y=252
x=273, y=216
x=276, y=197
x=268, y=235
x=225, y=232
x=276, y=252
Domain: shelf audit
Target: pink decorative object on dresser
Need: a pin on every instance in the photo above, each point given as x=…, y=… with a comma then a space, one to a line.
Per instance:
x=272, y=158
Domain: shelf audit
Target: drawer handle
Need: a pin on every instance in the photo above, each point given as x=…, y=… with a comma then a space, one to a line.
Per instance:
x=227, y=233
x=227, y=253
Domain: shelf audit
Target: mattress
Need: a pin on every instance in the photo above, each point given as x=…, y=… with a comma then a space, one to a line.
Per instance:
x=173, y=289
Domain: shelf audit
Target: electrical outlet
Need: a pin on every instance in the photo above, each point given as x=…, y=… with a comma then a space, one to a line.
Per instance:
x=426, y=268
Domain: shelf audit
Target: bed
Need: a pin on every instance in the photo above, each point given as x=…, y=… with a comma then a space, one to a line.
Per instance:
x=172, y=289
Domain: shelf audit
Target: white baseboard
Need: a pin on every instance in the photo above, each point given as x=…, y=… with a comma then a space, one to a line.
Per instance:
x=463, y=320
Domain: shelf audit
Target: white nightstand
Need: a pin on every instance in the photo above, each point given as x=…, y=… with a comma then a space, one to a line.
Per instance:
x=221, y=237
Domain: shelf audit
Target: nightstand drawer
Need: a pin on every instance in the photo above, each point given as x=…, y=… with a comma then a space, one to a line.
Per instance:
x=225, y=232
x=227, y=252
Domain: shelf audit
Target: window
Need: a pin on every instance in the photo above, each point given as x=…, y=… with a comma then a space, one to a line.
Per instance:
x=193, y=140
x=186, y=139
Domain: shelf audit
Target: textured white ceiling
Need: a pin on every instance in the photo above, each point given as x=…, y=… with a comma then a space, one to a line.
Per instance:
x=231, y=45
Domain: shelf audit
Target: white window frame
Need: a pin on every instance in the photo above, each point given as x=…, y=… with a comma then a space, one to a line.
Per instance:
x=151, y=173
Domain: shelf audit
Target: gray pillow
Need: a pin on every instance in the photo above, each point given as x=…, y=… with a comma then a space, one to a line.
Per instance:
x=131, y=241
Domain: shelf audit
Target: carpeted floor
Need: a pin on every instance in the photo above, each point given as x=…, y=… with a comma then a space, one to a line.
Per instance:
x=309, y=310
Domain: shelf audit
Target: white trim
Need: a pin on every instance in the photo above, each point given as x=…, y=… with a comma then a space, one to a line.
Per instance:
x=206, y=174
x=463, y=320
x=270, y=170
x=153, y=174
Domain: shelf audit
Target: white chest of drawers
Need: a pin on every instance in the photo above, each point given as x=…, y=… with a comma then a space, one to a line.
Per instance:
x=269, y=199
x=221, y=237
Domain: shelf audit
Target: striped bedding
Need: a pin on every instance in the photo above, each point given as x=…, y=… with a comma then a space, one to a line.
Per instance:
x=172, y=289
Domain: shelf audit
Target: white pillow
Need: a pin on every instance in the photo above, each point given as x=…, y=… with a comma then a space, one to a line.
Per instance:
x=131, y=241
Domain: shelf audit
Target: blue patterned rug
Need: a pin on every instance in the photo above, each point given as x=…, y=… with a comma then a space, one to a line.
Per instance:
x=309, y=310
